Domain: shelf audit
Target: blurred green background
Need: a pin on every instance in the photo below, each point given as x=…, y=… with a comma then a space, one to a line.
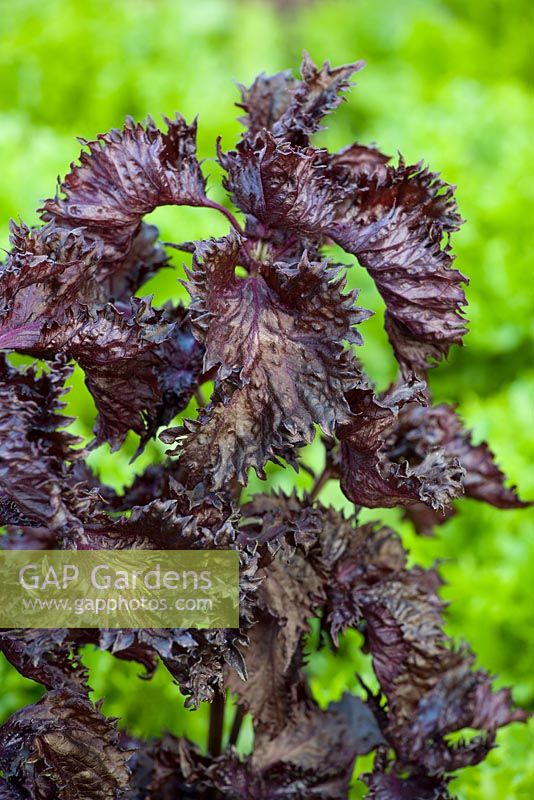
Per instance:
x=447, y=81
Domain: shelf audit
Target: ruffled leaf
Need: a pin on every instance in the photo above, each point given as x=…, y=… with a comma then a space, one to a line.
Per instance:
x=142, y=368
x=372, y=476
x=395, y=225
x=157, y=771
x=385, y=786
x=8, y=792
x=266, y=100
x=47, y=271
x=61, y=748
x=34, y=476
x=293, y=109
x=197, y=659
x=282, y=186
x=421, y=429
x=141, y=365
x=356, y=159
x=289, y=593
x=359, y=577
x=430, y=686
x=48, y=656
x=293, y=764
x=276, y=339
x=395, y=220
x=124, y=175
x=50, y=269
x=319, y=92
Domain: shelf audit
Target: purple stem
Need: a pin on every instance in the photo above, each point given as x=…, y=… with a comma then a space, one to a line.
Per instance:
x=228, y=214
x=216, y=725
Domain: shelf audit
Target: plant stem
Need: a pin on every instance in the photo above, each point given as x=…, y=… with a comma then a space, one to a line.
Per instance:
x=199, y=398
x=323, y=478
x=227, y=213
x=236, y=726
x=305, y=468
x=216, y=725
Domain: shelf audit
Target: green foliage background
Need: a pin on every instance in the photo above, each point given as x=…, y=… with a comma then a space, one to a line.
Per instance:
x=447, y=81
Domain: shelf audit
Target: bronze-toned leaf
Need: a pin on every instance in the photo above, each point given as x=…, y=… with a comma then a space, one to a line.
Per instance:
x=277, y=341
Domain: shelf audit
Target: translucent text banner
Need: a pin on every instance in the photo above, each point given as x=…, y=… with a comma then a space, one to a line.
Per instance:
x=119, y=589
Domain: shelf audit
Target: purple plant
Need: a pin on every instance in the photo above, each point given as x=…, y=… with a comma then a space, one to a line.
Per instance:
x=277, y=338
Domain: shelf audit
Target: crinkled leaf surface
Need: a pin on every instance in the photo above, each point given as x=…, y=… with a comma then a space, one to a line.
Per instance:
x=371, y=476
x=124, y=175
x=420, y=429
x=62, y=748
x=276, y=339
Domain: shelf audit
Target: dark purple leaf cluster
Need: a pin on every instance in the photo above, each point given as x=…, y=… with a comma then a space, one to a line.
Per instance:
x=271, y=324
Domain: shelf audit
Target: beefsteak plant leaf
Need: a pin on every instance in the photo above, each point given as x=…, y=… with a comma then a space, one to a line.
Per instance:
x=146, y=256
x=57, y=283
x=288, y=595
x=8, y=792
x=395, y=220
x=372, y=476
x=266, y=100
x=141, y=365
x=283, y=186
x=62, y=748
x=197, y=659
x=366, y=553
x=49, y=269
x=293, y=109
x=319, y=92
x=358, y=577
x=419, y=429
x=429, y=685
x=48, y=656
x=386, y=786
x=47, y=272
x=141, y=368
x=295, y=763
x=34, y=450
x=276, y=339
x=395, y=224
x=157, y=771
x=124, y=175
